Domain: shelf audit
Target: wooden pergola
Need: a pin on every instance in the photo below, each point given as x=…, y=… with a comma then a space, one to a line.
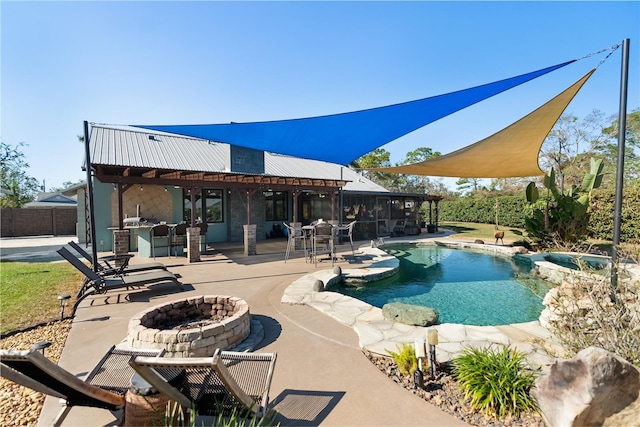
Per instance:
x=125, y=177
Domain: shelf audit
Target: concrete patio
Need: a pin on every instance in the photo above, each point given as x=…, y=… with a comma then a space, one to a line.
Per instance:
x=321, y=376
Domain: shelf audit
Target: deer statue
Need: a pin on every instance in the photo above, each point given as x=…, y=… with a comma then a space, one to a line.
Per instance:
x=498, y=234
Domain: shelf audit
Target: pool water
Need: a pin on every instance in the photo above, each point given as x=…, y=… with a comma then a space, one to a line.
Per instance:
x=464, y=286
x=575, y=262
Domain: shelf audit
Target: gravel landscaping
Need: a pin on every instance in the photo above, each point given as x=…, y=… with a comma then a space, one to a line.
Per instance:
x=445, y=393
x=20, y=406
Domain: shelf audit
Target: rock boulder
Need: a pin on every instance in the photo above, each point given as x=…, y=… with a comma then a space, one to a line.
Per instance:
x=410, y=314
x=595, y=388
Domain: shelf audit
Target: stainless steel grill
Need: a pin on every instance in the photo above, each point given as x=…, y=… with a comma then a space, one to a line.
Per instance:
x=137, y=221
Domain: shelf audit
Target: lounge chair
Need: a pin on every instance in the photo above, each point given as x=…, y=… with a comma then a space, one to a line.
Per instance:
x=96, y=284
x=109, y=270
x=223, y=383
x=105, y=386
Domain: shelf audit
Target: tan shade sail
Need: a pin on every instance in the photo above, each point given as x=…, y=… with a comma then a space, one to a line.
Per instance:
x=511, y=152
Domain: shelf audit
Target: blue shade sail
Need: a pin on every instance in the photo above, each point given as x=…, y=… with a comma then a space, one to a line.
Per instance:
x=511, y=152
x=342, y=138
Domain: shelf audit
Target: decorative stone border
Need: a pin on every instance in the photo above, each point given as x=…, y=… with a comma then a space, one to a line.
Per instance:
x=146, y=328
x=377, y=334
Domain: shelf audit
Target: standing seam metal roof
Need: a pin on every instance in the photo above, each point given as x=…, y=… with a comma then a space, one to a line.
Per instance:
x=132, y=147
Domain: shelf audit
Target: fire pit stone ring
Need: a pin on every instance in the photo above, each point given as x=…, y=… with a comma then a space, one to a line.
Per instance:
x=191, y=327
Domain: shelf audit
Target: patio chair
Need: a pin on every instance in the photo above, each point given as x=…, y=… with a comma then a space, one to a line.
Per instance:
x=105, y=386
x=323, y=235
x=96, y=284
x=178, y=237
x=160, y=232
x=223, y=383
x=294, y=234
x=349, y=230
x=107, y=269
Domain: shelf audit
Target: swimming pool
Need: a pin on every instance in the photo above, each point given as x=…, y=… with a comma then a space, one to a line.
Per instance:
x=580, y=262
x=464, y=286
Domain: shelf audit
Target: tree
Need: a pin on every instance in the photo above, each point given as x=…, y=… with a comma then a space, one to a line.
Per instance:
x=13, y=177
x=508, y=186
x=468, y=185
x=401, y=182
x=608, y=148
x=572, y=144
x=561, y=147
x=378, y=158
x=418, y=183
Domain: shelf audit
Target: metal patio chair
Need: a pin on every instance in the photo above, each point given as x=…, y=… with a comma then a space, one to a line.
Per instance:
x=349, y=233
x=105, y=386
x=322, y=241
x=294, y=234
x=223, y=383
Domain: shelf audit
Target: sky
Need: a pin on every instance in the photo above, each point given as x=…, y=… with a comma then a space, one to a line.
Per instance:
x=156, y=62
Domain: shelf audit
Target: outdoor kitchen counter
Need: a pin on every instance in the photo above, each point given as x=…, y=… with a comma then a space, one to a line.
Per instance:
x=162, y=245
x=140, y=240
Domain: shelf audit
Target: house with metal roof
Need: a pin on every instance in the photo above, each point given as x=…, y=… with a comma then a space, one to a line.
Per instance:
x=147, y=175
x=52, y=200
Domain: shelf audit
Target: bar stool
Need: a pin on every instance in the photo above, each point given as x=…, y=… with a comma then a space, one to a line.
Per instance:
x=160, y=231
x=178, y=237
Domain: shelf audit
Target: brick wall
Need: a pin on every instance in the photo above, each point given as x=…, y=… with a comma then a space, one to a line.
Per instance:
x=58, y=221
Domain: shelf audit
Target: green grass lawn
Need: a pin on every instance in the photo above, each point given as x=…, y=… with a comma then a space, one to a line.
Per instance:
x=29, y=292
x=471, y=231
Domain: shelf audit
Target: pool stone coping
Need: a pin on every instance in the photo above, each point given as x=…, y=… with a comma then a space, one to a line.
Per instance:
x=377, y=334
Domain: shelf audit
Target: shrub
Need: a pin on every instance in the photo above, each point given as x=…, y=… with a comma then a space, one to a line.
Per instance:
x=405, y=359
x=495, y=382
x=601, y=220
x=589, y=312
x=467, y=209
x=175, y=417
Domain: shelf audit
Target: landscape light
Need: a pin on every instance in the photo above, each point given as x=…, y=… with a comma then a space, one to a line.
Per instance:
x=432, y=339
x=418, y=378
x=63, y=301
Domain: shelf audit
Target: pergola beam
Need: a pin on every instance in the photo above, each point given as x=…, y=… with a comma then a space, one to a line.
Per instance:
x=132, y=176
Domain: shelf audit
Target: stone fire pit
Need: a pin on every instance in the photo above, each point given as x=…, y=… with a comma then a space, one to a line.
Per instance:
x=191, y=327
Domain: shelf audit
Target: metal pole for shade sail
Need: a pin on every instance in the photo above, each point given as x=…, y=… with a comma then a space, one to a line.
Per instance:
x=622, y=127
x=92, y=217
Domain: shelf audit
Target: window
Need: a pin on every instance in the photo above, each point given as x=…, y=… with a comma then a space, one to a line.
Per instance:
x=213, y=204
x=276, y=205
x=212, y=201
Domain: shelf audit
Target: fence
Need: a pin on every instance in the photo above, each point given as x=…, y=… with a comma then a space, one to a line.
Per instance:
x=57, y=221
